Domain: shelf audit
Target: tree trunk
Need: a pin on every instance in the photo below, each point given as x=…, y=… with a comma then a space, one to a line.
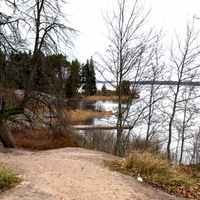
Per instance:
x=182, y=147
x=118, y=146
x=149, y=117
x=5, y=135
x=172, y=117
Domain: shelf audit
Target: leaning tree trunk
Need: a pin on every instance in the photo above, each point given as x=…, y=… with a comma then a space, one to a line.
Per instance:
x=5, y=134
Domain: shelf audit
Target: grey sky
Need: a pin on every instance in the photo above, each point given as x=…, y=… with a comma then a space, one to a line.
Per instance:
x=86, y=16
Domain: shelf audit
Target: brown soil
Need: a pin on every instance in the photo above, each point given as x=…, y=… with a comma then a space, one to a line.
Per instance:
x=72, y=174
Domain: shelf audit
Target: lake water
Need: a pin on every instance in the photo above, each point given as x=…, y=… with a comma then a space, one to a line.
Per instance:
x=162, y=109
x=97, y=105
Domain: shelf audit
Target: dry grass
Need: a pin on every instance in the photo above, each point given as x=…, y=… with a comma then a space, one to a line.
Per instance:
x=146, y=163
x=83, y=115
x=105, y=98
x=42, y=139
x=158, y=172
x=73, y=115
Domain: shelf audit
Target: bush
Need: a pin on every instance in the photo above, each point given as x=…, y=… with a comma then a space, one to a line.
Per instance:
x=100, y=140
x=139, y=143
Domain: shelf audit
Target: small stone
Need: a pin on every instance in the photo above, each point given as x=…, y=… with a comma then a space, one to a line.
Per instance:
x=139, y=179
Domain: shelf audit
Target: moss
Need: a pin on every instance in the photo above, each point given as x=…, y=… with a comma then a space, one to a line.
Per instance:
x=10, y=104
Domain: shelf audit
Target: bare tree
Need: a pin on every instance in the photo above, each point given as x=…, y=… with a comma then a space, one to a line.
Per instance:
x=41, y=27
x=127, y=59
x=195, y=155
x=184, y=59
x=185, y=125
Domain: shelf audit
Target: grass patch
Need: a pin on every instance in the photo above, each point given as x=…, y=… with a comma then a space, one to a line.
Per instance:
x=160, y=173
x=83, y=115
x=105, y=98
x=7, y=179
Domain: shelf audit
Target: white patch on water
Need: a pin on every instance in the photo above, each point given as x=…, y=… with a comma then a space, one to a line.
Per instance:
x=161, y=116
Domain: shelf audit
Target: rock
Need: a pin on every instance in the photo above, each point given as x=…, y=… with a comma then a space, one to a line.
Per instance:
x=139, y=179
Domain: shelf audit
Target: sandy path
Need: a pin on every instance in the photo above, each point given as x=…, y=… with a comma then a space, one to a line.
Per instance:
x=72, y=174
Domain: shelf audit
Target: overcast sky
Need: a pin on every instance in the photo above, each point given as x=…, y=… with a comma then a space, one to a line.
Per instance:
x=86, y=16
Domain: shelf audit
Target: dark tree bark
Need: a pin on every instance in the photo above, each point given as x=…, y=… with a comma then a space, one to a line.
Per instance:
x=6, y=136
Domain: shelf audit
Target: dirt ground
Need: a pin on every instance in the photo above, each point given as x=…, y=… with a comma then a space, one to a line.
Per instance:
x=72, y=174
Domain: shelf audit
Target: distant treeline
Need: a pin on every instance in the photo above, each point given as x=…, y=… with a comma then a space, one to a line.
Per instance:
x=167, y=83
x=196, y=83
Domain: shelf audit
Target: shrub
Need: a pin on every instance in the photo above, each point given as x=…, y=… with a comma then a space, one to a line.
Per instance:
x=138, y=143
x=100, y=140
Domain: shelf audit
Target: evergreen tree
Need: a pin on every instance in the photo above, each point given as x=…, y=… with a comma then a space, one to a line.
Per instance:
x=73, y=79
x=104, y=90
x=126, y=87
x=68, y=87
x=88, y=79
x=57, y=64
x=16, y=69
x=93, y=88
x=85, y=74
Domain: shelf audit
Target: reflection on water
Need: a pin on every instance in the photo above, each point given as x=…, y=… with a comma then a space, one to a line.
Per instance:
x=96, y=105
x=93, y=105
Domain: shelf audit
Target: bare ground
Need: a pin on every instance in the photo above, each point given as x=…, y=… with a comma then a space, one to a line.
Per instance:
x=72, y=174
